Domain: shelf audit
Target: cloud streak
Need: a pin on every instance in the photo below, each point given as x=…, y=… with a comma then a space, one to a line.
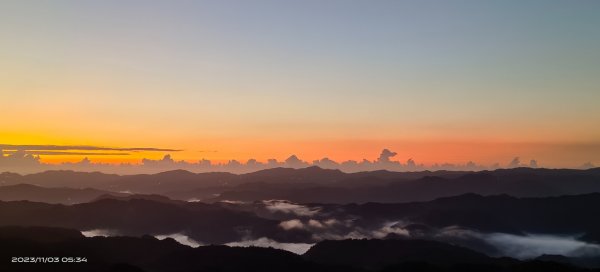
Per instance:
x=298, y=248
x=533, y=245
x=83, y=147
x=52, y=153
x=288, y=207
x=180, y=238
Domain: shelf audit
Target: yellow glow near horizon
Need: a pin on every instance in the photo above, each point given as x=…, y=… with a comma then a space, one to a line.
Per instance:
x=264, y=82
x=428, y=153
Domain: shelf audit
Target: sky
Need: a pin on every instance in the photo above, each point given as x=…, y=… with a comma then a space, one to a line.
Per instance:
x=435, y=81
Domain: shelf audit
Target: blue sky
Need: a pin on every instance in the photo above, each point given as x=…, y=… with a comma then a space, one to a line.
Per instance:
x=100, y=71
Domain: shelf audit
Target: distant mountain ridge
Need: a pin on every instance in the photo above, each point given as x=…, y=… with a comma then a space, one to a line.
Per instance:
x=424, y=186
x=62, y=195
x=314, y=184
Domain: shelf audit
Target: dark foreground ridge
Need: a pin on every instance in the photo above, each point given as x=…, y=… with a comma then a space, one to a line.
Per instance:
x=152, y=255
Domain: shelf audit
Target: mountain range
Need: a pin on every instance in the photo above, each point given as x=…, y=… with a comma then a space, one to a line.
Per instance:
x=314, y=184
x=149, y=254
x=314, y=219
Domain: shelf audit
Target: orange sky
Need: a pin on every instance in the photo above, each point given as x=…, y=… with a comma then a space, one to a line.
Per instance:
x=450, y=83
x=428, y=153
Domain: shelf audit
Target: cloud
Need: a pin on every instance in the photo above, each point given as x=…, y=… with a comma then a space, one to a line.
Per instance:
x=25, y=159
x=326, y=163
x=587, y=165
x=516, y=162
x=291, y=224
x=81, y=147
x=288, y=207
x=99, y=233
x=525, y=246
x=180, y=238
x=334, y=229
x=298, y=248
x=294, y=162
x=494, y=244
x=533, y=164
x=43, y=152
x=166, y=160
x=20, y=161
x=533, y=245
x=331, y=222
x=326, y=229
x=355, y=234
x=315, y=224
x=385, y=155
x=28, y=161
x=236, y=202
x=390, y=228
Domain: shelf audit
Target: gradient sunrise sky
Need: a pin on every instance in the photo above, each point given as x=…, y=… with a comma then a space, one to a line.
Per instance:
x=436, y=81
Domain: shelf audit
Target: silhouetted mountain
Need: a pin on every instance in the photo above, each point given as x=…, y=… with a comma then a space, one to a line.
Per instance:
x=467, y=220
x=314, y=184
x=224, y=222
x=50, y=195
x=521, y=182
x=554, y=258
x=564, y=214
x=141, y=254
x=152, y=255
x=473, y=220
x=376, y=254
x=125, y=197
x=311, y=174
x=146, y=184
x=589, y=262
x=500, y=213
x=177, y=180
x=39, y=234
x=61, y=178
x=201, y=222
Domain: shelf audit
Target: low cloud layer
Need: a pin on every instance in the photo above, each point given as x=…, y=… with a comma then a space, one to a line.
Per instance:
x=287, y=207
x=526, y=246
x=99, y=233
x=533, y=245
x=180, y=238
x=522, y=247
x=298, y=248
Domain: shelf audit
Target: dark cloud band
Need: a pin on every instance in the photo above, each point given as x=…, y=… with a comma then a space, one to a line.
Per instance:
x=82, y=147
x=45, y=152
